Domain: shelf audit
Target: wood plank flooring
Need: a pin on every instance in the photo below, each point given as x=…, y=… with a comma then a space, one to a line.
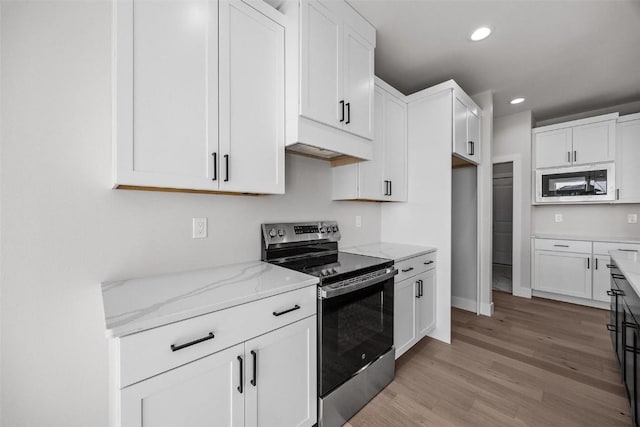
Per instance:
x=534, y=363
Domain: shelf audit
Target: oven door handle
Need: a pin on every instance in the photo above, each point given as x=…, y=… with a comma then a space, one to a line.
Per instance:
x=326, y=293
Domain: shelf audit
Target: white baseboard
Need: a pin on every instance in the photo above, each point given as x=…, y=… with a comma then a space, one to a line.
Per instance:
x=520, y=291
x=486, y=309
x=572, y=300
x=463, y=303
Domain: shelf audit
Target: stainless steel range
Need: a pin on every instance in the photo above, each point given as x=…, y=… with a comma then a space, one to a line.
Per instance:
x=355, y=314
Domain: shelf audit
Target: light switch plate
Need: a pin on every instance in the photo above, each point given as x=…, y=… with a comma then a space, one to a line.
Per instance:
x=558, y=217
x=199, y=228
x=632, y=218
x=358, y=221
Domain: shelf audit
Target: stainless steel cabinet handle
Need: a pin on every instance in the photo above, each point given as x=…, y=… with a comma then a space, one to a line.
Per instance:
x=561, y=246
x=406, y=270
x=628, y=250
x=294, y=308
x=575, y=156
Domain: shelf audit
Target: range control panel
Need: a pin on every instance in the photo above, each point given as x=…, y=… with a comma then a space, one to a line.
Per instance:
x=279, y=233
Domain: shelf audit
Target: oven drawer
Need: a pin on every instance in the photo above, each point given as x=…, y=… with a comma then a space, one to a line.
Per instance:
x=416, y=265
x=576, y=246
x=148, y=353
x=603, y=248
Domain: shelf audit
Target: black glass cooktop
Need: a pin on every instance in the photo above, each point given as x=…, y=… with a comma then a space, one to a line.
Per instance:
x=337, y=266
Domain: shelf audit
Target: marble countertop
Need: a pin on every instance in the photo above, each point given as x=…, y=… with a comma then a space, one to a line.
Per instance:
x=395, y=251
x=138, y=304
x=627, y=239
x=629, y=265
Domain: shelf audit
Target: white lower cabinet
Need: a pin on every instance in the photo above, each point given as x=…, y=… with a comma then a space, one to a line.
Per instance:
x=267, y=377
x=281, y=390
x=576, y=268
x=414, y=302
x=201, y=393
x=563, y=273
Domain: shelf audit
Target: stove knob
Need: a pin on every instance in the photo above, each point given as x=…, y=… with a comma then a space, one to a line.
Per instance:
x=281, y=232
x=272, y=233
x=335, y=228
x=322, y=229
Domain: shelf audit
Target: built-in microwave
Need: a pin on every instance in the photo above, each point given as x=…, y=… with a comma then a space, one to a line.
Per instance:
x=572, y=184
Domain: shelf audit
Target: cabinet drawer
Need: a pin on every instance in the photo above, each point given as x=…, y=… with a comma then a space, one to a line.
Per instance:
x=148, y=353
x=576, y=246
x=603, y=248
x=416, y=265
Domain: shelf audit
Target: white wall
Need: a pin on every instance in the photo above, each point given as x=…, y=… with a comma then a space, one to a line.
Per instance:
x=426, y=218
x=64, y=230
x=587, y=220
x=464, y=238
x=512, y=139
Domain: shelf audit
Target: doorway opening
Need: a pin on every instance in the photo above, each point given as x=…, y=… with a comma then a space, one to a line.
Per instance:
x=502, y=265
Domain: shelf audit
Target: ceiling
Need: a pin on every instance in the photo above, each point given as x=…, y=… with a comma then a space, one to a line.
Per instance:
x=563, y=56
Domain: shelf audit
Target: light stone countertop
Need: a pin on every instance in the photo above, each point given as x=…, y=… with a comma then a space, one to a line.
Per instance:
x=626, y=239
x=138, y=304
x=395, y=251
x=629, y=265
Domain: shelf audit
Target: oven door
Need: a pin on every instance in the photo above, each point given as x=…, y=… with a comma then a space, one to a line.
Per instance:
x=354, y=329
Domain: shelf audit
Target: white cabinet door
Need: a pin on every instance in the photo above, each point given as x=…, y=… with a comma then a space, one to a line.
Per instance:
x=563, y=273
x=166, y=93
x=426, y=303
x=473, y=135
x=371, y=183
x=321, y=52
x=252, y=122
x=281, y=391
x=601, y=278
x=553, y=148
x=395, y=147
x=405, y=318
x=594, y=142
x=203, y=393
x=627, y=158
x=358, y=84
x=460, y=142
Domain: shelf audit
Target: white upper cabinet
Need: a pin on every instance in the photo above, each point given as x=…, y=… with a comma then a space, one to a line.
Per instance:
x=384, y=177
x=320, y=59
x=330, y=80
x=358, y=84
x=594, y=143
x=627, y=155
x=252, y=119
x=170, y=59
x=466, y=128
x=553, y=148
x=578, y=142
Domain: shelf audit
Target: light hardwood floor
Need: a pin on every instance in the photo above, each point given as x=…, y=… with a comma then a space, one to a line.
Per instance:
x=534, y=363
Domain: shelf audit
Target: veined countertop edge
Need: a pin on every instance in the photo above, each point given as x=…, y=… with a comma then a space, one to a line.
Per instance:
x=246, y=291
x=608, y=239
x=629, y=265
x=398, y=252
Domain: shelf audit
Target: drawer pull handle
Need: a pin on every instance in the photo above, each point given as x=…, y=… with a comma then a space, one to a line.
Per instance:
x=611, y=293
x=627, y=250
x=629, y=325
x=294, y=308
x=406, y=270
x=617, y=276
x=561, y=246
x=610, y=265
x=254, y=381
x=241, y=376
x=611, y=327
x=189, y=344
x=429, y=262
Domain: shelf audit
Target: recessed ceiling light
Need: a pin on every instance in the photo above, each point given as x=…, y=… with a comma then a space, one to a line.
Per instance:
x=480, y=34
x=517, y=101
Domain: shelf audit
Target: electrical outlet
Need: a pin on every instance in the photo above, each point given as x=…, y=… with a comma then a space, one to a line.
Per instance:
x=632, y=218
x=358, y=221
x=558, y=217
x=199, y=228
